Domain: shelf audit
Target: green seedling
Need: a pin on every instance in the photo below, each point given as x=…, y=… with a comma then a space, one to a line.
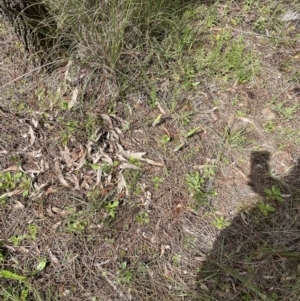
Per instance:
x=125, y=275
x=156, y=182
x=111, y=208
x=11, y=181
x=197, y=182
x=176, y=259
x=165, y=139
x=23, y=280
x=41, y=265
x=269, y=126
x=134, y=161
x=16, y=240
x=33, y=231
x=77, y=226
x=220, y=223
x=142, y=218
x=153, y=98
x=31, y=234
x=76, y=223
x=273, y=194
x=265, y=208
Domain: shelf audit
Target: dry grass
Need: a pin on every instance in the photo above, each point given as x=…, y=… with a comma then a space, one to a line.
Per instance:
x=95, y=204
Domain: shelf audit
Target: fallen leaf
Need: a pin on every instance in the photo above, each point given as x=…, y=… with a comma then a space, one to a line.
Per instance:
x=52, y=257
x=128, y=166
x=11, y=168
x=107, y=118
x=18, y=205
x=73, y=100
x=161, y=108
x=11, y=193
x=56, y=225
x=59, y=211
x=59, y=175
x=35, y=122
x=122, y=184
x=178, y=210
x=131, y=155
x=50, y=190
x=66, y=155
x=32, y=135
x=149, y=161
x=166, y=131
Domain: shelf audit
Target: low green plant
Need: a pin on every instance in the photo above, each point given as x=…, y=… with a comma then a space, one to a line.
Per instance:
x=76, y=226
x=31, y=234
x=111, y=208
x=12, y=181
x=69, y=128
x=164, y=140
x=273, y=194
x=77, y=222
x=21, y=291
x=265, y=208
x=142, y=218
x=269, y=126
x=235, y=138
x=220, y=223
x=196, y=183
x=176, y=259
x=124, y=275
x=17, y=239
x=157, y=181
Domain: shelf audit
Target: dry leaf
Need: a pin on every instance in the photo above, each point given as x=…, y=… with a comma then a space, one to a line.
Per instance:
x=59, y=175
x=178, y=210
x=53, y=258
x=161, y=108
x=166, y=131
x=73, y=99
x=11, y=193
x=50, y=190
x=59, y=211
x=122, y=184
x=32, y=135
x=35, y=122
x=18, y=205
x=11, y=168
x=67, y=157
x=23, y=249
x=128, y=166
x=56, y=225
x=107, y=118
x=149, y=161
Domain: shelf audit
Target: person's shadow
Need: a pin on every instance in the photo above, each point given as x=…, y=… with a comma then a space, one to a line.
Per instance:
x=258, y=256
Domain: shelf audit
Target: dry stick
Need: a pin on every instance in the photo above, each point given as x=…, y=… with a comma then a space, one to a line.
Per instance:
x=29, y=72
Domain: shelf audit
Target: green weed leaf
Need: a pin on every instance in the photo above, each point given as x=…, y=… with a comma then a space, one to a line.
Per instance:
x=192, y=132
x=10, y=275
x=42, y=264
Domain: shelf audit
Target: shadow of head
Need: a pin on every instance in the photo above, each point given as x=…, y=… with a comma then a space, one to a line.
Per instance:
x=258, y=256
